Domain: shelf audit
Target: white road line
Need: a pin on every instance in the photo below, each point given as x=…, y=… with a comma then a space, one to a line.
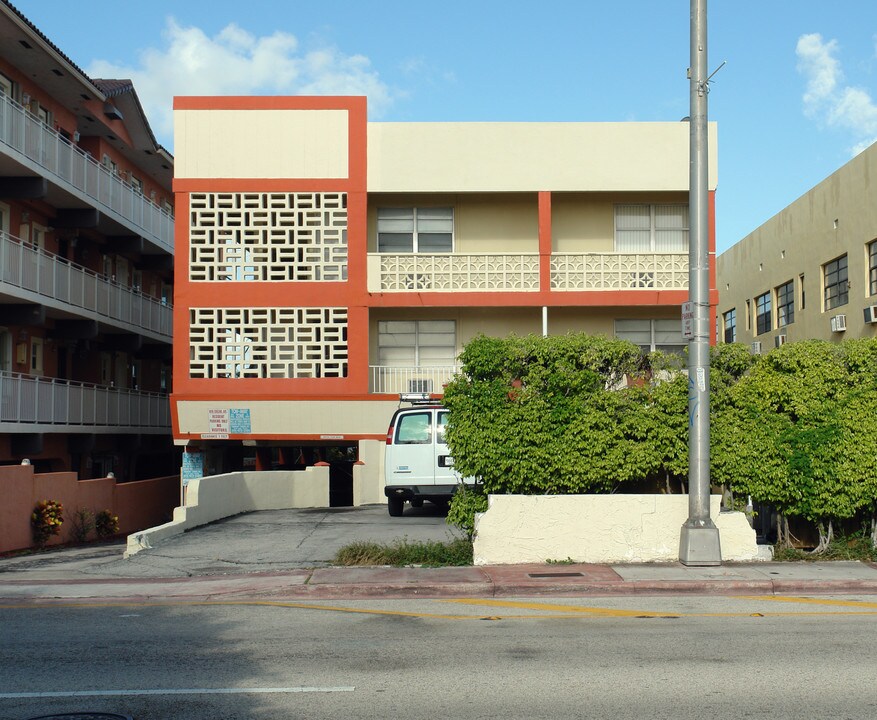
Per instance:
x=174, y=691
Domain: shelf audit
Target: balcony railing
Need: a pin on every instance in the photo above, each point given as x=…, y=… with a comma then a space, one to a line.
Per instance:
x=456, y=272
x=396, y=380
x=27, y=400
x=619, y=271
x=29, y=268
x=21, y=131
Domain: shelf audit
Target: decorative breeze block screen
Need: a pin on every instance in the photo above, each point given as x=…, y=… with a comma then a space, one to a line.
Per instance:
x=268, y=343
x=268, y=236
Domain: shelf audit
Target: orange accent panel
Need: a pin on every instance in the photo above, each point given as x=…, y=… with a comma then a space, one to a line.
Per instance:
x=271, y=102
x=544, y=239
x=711, y=239
x=591, y=298
x=243, y=397
x=263, y=185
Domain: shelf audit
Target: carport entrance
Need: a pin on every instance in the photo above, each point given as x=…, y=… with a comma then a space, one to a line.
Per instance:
x=340, y=459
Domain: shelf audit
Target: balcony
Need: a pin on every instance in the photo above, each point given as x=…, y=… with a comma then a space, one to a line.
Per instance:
x=65, y=285
x=396, y=380
x=619, y=271
x=39, y=404
x=519, y=272
x=456, y=272
x=25, y=137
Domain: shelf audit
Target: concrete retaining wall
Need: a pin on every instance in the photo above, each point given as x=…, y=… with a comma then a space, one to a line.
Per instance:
x=598, y=529
x=220, y=496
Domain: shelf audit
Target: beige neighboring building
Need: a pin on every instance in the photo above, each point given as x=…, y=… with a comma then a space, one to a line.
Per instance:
x=811, y=270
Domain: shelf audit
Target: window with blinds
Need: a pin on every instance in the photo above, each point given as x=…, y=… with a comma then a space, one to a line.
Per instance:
x=651, y=228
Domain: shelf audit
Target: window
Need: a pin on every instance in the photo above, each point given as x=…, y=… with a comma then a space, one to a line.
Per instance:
x=748, y=315
x=419, y=230
x=417, y=343
x=664, y=335
x=836, y=286
x=414, y=429
x=6, y=87
x=729, y=323
x=786, y=304
x=137, y=185
x=763, y=311
x=36, y=356
x=651, y=228
x=803, y=296
x=872, y=268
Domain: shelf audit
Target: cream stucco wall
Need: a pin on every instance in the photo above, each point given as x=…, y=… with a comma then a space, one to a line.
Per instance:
x=598, y=529
x=514, y=157
x=260, y=144
x=295, y=417
x=502, y=223
x=837, y=216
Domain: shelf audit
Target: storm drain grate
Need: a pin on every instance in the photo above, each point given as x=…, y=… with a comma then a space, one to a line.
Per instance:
x=555, y=575
x=84, y=716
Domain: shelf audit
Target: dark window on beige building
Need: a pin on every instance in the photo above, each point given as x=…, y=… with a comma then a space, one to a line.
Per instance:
x=762, y=314
x=872, y=268
x=837, y=287
x=729, y=324
x=786, y=304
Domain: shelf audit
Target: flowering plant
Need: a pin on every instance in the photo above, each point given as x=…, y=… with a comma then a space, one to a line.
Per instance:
x=46, y=520
x=106, y=524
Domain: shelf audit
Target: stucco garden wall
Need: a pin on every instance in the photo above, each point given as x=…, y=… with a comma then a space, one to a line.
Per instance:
x=598, y=529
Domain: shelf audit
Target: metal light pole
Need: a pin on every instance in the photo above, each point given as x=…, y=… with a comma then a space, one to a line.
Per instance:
x=699, y=541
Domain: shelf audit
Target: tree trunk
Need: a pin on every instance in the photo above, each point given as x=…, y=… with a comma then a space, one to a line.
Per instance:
x=874, y=525
x=825, y=538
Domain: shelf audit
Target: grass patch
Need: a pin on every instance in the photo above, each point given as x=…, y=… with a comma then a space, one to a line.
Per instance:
x=843, y=548
x=400, y=553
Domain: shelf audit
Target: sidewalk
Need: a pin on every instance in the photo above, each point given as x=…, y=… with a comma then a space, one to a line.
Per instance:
x=490, y=581
x=283, y=555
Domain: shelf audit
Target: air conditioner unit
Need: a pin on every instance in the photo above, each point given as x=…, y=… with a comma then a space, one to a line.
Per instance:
x=871, y=314
x=420, y=385
x=838, y=323
x=779, y=340
x=756, y=347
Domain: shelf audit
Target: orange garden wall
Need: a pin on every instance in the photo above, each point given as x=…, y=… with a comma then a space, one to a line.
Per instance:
x=138, y=505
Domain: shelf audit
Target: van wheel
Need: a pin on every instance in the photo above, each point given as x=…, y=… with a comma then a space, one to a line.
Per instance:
x=416, y=502
x=395, y=505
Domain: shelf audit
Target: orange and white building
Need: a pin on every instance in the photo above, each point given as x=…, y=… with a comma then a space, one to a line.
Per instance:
x=326, y=264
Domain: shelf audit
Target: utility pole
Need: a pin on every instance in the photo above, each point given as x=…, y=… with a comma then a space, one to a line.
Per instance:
x=699, y=541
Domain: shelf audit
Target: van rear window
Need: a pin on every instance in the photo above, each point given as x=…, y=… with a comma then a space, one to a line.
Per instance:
x=414, y=429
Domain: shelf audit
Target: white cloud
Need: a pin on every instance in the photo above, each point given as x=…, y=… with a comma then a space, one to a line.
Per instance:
x=235, y=62
x=828, y=98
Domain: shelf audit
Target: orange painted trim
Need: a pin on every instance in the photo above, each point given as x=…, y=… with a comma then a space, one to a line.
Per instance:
x=593, y=298
x=264, y=185
x=277, y=436
x=545, y=239
x=270, y=102
x=711, y=239
x=241, y=397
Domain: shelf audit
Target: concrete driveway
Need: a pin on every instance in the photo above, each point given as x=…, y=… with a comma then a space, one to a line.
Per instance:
x=265, y=541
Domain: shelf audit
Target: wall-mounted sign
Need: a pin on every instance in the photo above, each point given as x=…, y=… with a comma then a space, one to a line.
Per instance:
x=239, y=421
x=193, y=467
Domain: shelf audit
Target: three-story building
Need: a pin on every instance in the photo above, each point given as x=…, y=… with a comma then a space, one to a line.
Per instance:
x=329, y=264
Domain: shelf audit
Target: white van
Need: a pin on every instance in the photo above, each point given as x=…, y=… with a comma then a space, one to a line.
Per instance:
x=417, y=464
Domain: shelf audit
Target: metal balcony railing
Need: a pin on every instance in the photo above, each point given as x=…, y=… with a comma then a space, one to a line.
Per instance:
x=27, y=400
x=67, y=165
x=395, y=380
x=619, y=271
x=27, y=267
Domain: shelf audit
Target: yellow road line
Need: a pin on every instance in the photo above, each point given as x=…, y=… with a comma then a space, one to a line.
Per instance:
x=810, y=600
x=603, y=612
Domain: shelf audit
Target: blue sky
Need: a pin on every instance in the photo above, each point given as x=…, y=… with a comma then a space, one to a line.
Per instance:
x=795, y=101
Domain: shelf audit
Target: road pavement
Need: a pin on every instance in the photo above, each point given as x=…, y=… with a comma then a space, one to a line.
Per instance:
x=288, y=554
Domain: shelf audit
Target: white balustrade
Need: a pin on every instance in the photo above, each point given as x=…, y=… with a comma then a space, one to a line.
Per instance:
x=27, y=267
x=455, y=272
x=395, y=380
x=619, y=271
x=31, y=400
x=24, y=133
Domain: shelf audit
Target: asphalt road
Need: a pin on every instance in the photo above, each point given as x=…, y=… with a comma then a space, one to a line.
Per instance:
x=619, y=658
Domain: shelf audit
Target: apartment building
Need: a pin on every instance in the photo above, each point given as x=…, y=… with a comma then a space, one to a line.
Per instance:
x=329, y=264
x=86, y=268
x=811, y=270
